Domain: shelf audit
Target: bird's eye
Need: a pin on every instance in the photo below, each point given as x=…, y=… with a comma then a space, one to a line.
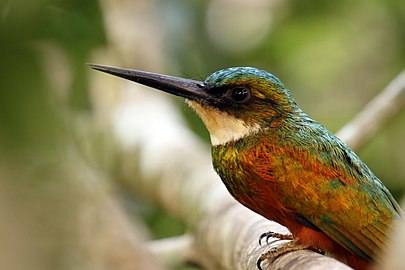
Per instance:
x=239, y=94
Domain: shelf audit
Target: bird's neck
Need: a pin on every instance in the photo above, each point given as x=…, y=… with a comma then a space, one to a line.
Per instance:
x=223, y=127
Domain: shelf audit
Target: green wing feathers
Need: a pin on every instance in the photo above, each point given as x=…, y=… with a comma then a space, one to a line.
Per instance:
x=334, y=190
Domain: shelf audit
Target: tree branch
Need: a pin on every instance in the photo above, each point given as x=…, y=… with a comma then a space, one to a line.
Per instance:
x=174, y=251
x=375, y=115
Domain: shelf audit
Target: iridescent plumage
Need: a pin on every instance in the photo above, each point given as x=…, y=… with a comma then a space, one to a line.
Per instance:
x=280, y=163
x=297, y=173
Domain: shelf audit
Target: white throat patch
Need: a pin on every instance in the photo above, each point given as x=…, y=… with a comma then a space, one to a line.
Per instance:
x=223, y=127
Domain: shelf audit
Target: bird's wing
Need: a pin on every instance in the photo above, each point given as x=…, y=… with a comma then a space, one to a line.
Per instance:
x=336, y=192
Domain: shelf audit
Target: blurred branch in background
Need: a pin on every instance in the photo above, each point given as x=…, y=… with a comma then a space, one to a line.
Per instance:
x=174, y=251
x=376, y=114
x=58, y=209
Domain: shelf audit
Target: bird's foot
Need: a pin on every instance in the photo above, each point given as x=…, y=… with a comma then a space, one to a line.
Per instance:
x=269, y=235
x=276, y=252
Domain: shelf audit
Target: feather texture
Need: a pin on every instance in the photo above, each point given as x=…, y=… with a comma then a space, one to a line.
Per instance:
x=302, y=170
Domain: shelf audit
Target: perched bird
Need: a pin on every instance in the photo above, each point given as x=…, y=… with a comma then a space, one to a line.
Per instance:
x=277, y=161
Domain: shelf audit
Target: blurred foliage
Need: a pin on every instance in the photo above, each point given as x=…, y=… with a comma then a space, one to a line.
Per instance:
x=39, y=187
x=30, y=32
x=334, y=55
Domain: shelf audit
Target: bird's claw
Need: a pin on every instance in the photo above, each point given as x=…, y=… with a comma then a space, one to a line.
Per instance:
x=269, y=256
x=259, y=263
x=270, y=234
x=276, y=252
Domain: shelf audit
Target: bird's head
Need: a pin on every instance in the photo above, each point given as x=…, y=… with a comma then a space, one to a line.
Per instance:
x=232, y=103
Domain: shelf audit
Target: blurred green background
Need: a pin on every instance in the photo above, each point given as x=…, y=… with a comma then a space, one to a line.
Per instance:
x=335, y=56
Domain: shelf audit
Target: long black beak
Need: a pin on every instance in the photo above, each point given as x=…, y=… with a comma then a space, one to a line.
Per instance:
x=190, y=89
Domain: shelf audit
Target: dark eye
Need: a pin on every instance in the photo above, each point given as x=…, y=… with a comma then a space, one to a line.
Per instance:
x=239, y=94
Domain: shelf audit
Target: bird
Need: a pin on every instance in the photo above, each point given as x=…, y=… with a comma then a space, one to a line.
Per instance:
x=277, y=161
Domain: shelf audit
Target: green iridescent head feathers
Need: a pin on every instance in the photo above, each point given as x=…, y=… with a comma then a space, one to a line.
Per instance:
x=229, y=76
x=249, y=94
